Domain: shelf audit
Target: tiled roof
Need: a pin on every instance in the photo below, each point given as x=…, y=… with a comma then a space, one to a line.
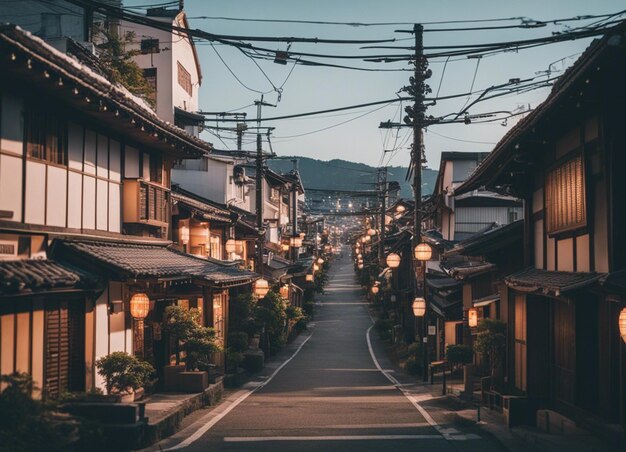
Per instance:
x=442, y=283
x=465, y=269
x=204, y=207
x=490, y=240
x=536, y=280
x=147, y=261
x=35, y=275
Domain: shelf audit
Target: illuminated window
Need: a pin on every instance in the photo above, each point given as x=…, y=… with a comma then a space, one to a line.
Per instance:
x=46, y=136
x=215, y=246
x=566, y=208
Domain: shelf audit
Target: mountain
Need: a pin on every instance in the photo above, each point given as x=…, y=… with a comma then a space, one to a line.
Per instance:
x=339, y=174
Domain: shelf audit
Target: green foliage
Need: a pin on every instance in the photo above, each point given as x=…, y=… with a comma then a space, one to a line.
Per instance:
x=491, y=342
x=241, y=314
x=270, y=312
x=415, y=350
x=123, y=372
x=199, y=347
x=459, y=354
x=238, y=341
x=383, y=327
x=294, y=313
x=233, y=360
x=116, y=59
x=413, y=365
x=180, y=322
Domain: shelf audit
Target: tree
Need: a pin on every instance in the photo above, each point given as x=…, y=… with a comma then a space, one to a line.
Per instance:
x=180, y=324
x=123, y=372
x=491, y=343
x=116, y=60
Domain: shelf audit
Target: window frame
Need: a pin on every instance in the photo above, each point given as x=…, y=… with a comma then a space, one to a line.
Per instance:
x=184, y=79
x=45, y=120
x=562, y=198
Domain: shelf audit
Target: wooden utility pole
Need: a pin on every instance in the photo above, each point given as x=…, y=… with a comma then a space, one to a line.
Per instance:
x=382, y=187
x=260, y=175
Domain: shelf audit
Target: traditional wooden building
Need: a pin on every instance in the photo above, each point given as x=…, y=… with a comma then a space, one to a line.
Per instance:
x=565, y=160
x=85, y=191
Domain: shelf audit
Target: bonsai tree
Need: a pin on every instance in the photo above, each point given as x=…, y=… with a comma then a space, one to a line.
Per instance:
x=199, y=346
x=123, y=372
x=180, y=323
x=270, y=312
x=491, y=343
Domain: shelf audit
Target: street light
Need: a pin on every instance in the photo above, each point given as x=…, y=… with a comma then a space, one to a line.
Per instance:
x=261, y=287
x=622, y=324
x=419, y=307
x=393, y=260
x=400, y=208
x=320, y=261
x=423, y=252
x=139, y=308
x=309, y=277
x=472, y=318
x=375, y=289
x=230, y=246
x=371, y=232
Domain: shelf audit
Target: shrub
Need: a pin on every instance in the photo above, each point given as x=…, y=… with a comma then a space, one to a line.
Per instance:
x=413, y=366
x=241, y=314
x=459, y=354
x=491, y=342
x=308, y=308
x=180, y=322
x=199, y=347
x=270, y=312
x=233, y=360
x=122, y=372
x=383, y=327
x=238, y=341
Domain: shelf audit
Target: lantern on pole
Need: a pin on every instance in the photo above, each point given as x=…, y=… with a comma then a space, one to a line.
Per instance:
x=320, y=261
x=284, y=291
x=366, y=238
x=261, y=287
x=360, y=266
x=316, y=267
x=423, y=252
x=371, y=232
x=622, y=324
x=284, y=246
x=375, y=290
x=472, y=317
x=309, y=277
x=400, y=208
x=393, y=260
x=419, y=307
x=139, y=306
x=230, y=246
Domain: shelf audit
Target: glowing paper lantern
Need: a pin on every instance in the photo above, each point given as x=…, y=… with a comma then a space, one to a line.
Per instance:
x=261, y=287
x=472, y=317
x=309, y=277
x=393, y=260
x=375, y=290
x=423, y=252
x=622, y=324
x=419, y=307
x=371, y=232
x=139, y=306
x=230, y=246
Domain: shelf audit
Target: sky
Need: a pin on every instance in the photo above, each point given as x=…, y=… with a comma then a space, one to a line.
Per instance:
x=355, y=135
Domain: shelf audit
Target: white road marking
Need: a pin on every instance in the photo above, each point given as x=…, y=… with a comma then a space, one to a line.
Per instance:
x=206, y=427
x=406, y=393
x=254, y=439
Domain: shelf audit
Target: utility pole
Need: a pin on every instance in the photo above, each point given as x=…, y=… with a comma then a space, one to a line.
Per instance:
x=382, y=187
x=294, y=212
x=260, y=174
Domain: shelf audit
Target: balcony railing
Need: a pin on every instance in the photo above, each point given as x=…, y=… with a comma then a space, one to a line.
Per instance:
x=146, y=202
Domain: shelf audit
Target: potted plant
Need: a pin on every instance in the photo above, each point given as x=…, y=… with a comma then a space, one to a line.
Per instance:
x=178, y=323
x=124, y=374
x=490, y=343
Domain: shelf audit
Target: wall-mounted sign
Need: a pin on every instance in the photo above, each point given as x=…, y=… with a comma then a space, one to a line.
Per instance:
x=432, y=330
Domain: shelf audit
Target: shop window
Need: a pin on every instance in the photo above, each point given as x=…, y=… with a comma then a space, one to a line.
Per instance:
x=566, y=208
x=218, y=316
x=520, y=342
x=46, y=136
x=215, y=246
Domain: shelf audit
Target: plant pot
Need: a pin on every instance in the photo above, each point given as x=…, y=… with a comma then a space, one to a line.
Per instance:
x=138, y=394
x=170, y=377
x=127, y=397
x=192, y=382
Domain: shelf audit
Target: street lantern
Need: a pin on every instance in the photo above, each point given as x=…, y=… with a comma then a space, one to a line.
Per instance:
x=320, y=260
x=284, y=291
x=371, y=232
x=622, y=324
x=360, y=266
x=230, y=246
x=400, y=208
x=375, y=290
x=393, y=260
x=419, y=307
x=309, y=277
x=184, y=235
x=284, y=246
x=316, y=267
x=472, y=317
x=423, y=252
x=261, y=287
x=359, y=256
x=139, y=306
x=366, y=238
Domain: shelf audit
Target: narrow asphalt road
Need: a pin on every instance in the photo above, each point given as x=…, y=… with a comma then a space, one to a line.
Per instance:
x=331, y=395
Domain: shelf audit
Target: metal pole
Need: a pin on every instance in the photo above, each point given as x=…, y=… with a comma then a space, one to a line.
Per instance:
x=383, y=208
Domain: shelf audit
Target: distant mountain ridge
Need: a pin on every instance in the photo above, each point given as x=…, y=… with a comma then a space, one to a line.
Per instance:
x=340, y=174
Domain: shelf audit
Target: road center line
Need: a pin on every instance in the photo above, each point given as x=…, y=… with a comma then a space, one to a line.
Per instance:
x=206, y=427
x=406, y=393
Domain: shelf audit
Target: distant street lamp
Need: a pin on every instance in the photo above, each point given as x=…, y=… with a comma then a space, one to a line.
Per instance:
x=393, y=260
x=472, y=318
x=419, y=307
x=371, y=232
x=400, y=208
x=320, y=261
x=622, y=324
x=423, y=252
x=230, y=246
x=375, y=290
x=261, y=287
x=309, y=277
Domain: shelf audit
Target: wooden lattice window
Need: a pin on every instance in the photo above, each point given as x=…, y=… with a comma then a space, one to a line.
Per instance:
x=184, y=78
x=566, y=207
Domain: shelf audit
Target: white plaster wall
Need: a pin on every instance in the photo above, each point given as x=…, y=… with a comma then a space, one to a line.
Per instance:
x=115, y=161
x=89, y=202
x=101, y=335
x=115, y=197
x=131, y=162
x=89, y=165
x=35, y=192
x=56, y=196
x=210, y=184
x=74, y=200
x=183, y=53
x=102, y=203
x=117, y=322
x=11, y=185
x=75, y=138
x=12, y=127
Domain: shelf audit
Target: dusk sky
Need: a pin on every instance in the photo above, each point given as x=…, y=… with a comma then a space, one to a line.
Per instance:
x=308, y=88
